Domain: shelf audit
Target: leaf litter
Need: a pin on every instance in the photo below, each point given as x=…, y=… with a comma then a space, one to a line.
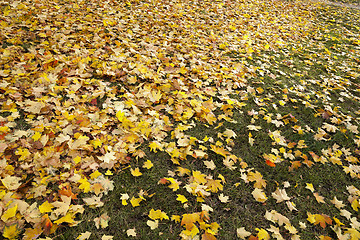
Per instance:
x=85, y=85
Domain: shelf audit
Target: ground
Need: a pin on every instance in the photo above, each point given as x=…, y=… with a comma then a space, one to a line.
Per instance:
x=179, y=120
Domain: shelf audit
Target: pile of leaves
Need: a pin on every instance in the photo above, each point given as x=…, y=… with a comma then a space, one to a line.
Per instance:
x=86, y=86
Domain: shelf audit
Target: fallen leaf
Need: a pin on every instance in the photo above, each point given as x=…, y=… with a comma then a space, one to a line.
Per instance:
x=181, y=198
x=210, y=164
x=318, y=198
x=223, y=198
x=11, y=232
x=280, y=195
x=259, y=195
x=158, y=214
x=131, y=232
x=84, y=236
x=11, y=182
x=310, y=187
x=242, y=233
x=153, y=224
x=136, y=172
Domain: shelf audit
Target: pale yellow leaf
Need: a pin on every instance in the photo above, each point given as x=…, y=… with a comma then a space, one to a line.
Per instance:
x=223, y=198
x=242, y=233
x=131, y=232
x=84, y=236
x=259, y=195
x=210, y=164
x=11, y=182
x=153, y=224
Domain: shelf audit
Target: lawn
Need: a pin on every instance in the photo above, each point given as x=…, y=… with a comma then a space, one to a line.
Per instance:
x=179, y=120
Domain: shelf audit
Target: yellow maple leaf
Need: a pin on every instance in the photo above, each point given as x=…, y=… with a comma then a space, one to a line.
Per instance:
x=222, y=46
x=68, y=218
x=192, y=232
x=135, y=172
x=189, y=219
x=310, y=187
x=123, y=198
x=353, y=233
x=96, y=143
x=311, y=217
x=45, y=207
x=174, y=184
x=214, y=185
x=85, y=185
x=135, y=201
x=182, y=171
x=120, y=116
x=77, y=159
x=95, y=174
x=154, y=146
x=258, y=178
x=11, y=232
x=355, y=204
x=219, y=150
x=36, y=136
x=23, y=152
x=9, y=213
x=4, y=129
x=337, y=221
x=158, y=214
x=262, y=234
x=199, y=177
x=148, y=164
x=181, y=198
x=175, y=218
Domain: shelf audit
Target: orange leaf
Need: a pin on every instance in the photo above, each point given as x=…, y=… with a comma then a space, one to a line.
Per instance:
x=307, y=162
x=208, y=236
x=47, y=225
x=325, y=237
x=320, y=219
x=67, y=192
x=294, y=165
x=253, y=238
x=270, y=163
x=163, y=181
x=189, y=219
